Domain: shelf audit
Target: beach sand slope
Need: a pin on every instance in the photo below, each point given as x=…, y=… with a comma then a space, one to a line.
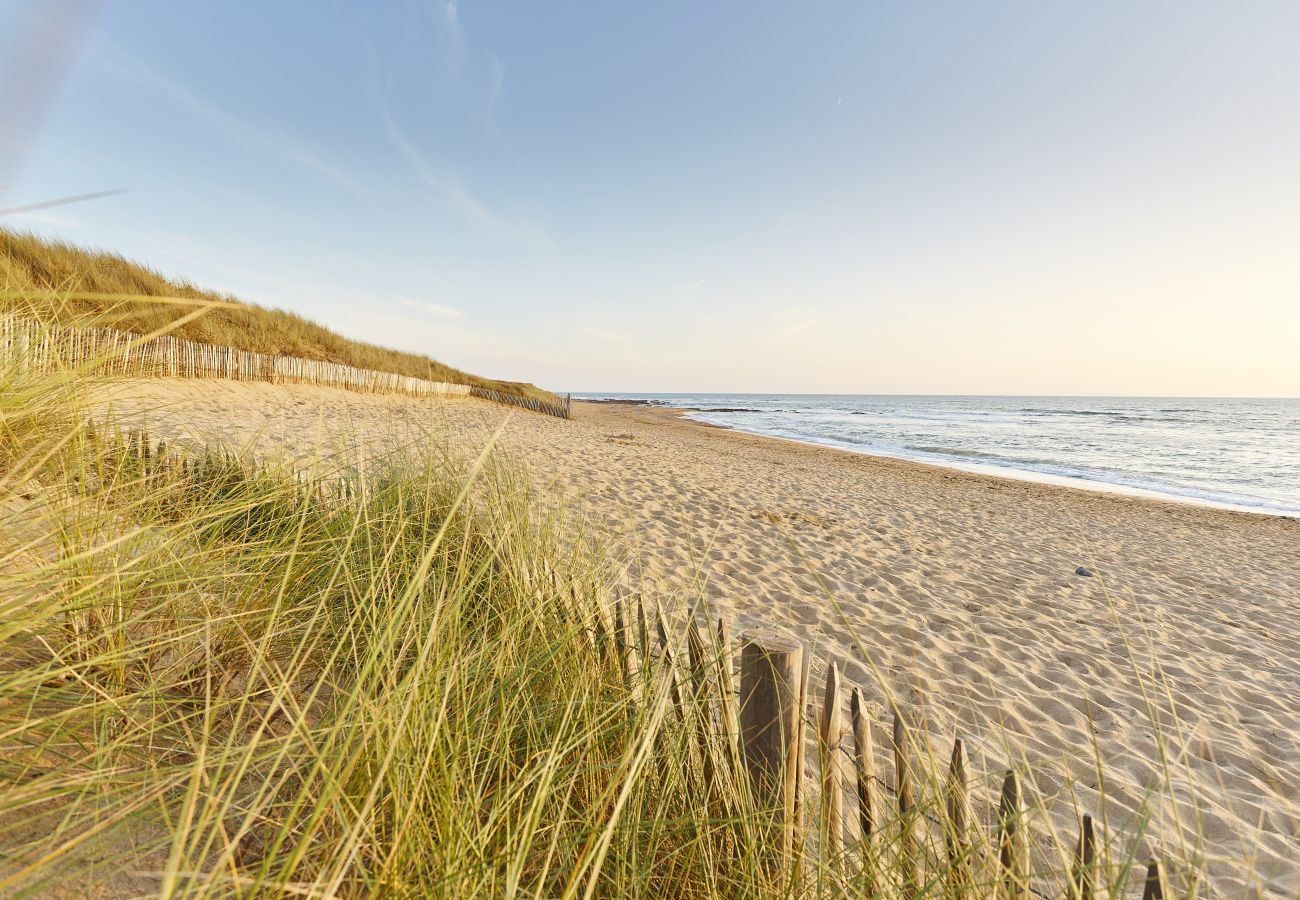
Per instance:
x=958, y=591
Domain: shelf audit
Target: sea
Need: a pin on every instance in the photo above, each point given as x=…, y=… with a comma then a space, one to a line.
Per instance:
x=1241, y=454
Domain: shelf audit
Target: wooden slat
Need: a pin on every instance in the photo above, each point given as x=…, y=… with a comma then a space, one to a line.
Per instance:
x=1013, y=840
x=909, y=850
x=1083, y=874
x=957, y=827
x=727, y=691
x=668, y=663
x=830, y=744
x=1154, y=889
x=868, y=808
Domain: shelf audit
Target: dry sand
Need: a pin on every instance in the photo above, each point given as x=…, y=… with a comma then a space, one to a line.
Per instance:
x=961, y=589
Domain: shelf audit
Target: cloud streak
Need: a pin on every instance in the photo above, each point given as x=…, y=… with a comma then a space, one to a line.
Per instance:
x=797, y=321
x=433, y=309
x=447, y=185
x=613, y=337
x=258, y=138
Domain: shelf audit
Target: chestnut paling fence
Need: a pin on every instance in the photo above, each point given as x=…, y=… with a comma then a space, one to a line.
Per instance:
x=746, y=738
x=561, y=410
x=918, y=837
x=111, y=352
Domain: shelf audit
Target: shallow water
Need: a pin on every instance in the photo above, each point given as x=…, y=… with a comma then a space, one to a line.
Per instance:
x=1239, y=453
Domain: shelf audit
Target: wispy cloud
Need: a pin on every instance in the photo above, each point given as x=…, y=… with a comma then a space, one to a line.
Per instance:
x=797, y=320
x=689, y=286
x=446, y=14
x=613, y=337
x=257, y=137
x=40, y=217
x=446, y=184
x=434, y=309
x=497, y=80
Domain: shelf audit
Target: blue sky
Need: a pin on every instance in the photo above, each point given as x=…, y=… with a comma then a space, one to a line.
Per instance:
x=849, y=197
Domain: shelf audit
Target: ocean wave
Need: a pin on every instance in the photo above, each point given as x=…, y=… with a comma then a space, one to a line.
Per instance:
x=1235, y=453
x=955, y=451
x=1112, y=415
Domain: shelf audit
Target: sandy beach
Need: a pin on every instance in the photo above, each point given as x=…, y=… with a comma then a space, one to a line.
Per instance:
x=960, y=590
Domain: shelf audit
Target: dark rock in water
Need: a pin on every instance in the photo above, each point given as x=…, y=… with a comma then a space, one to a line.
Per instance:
x=1086, y=573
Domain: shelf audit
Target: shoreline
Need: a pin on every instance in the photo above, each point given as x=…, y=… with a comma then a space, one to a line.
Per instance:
x=1010, y=473
x=680, y=415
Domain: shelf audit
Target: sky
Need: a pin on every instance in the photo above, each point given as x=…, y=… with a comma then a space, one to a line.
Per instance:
x=838, y=197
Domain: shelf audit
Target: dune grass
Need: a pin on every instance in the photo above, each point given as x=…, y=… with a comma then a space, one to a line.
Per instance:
x=70, y=285
x=223, y=679
x=217, y=680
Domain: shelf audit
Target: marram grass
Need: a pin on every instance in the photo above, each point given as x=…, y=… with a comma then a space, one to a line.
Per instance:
x=220, y=679
x=69, y=285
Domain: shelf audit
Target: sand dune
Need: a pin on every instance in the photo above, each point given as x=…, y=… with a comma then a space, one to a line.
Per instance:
x=960, y=590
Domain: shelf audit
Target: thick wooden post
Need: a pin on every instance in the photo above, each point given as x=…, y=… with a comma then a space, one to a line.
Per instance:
x=829, y=746
x=957, y=828
x=1013, y=840
x=771, y=669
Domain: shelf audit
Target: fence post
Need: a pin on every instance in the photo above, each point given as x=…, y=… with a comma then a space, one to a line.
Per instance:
x=957, y=827
x=621, y=642
x=1013, y=840
x=669, y=665
x=771, y=672
x=801, y=747
x=831, y=742
x=1154, y=889
x=1082, y=877
x=642, y=639
x=727, y=694
x=908, y=849
x=866, y=771
x=700, y=702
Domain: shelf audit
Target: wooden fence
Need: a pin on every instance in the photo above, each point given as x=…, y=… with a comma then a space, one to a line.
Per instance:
x=756, y=732
x=560, y=410
x=762, y=724
x=110, y=352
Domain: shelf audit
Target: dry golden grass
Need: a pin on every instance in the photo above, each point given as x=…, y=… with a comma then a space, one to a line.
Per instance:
x=89, y=287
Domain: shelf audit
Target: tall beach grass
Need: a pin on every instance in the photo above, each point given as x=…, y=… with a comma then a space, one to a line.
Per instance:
x=60, y=282
x=220, y=678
